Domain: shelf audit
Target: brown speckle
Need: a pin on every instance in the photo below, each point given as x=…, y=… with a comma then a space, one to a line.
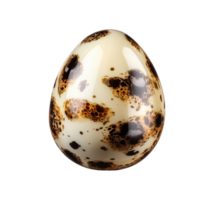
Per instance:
x=161, y=98
x=81, y=132
x=112, y=159
x=112, y=69
x=87, y=158
x=94, y=96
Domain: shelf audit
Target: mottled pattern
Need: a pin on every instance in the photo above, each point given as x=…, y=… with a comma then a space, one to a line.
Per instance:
x=70, y=72
x=136, y=88
x=77, y=109
x=95, y=36
x=132, y=41
x=107, y=108
x=126, y=135
x=55, y=118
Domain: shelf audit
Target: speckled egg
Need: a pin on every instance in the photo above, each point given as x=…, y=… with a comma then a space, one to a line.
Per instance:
x=107, y=107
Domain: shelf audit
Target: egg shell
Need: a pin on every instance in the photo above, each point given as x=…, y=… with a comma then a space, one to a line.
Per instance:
x=107, y=107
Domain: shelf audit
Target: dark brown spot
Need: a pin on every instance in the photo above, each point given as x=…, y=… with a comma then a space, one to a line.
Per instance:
x=87, y=158
x=94, y=96
x=81, y=132
x=73, y=157
x=74, y=145
x=114, y=83
x=159, y=120
x=100, y=108
x=104, y=148
x=155, y=84
x=161, y=98
x=132, y=153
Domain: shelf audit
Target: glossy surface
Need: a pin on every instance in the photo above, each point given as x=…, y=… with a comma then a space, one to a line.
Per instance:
x=107, y=107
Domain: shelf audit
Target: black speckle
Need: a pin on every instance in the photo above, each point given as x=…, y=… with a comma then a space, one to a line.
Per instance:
x=104, y=148
x=159, y=120
x=74, y=145
x=131, y=153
